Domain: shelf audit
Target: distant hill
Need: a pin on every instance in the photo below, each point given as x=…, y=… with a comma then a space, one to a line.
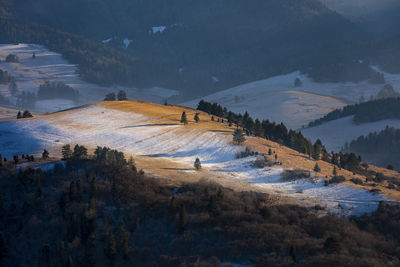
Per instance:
x=381, y=148
x=210, y=45
x=371, y=111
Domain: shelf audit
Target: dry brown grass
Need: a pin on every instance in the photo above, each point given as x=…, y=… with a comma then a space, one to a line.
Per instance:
x=178, y=172
x=8, y=113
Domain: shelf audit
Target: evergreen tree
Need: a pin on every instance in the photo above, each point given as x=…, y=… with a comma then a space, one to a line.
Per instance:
x=238, y=137
x=111, y=249
x=66, y=152
x=80, y=152
x=110, y=97
x=45, y=154
x=317, y=150
x=182, y=217
x=122, y=95
x=34, y=55
x=334, y=172
x=298, y=82
x=317, y=168
x=196, y=117
x=16, y=159
x=184, y=118
x=27, y=114
x=124, y=235
x=197, y=164
x=19, y=115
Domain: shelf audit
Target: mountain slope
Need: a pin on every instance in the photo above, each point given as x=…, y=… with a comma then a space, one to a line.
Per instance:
x=210, y=44
x=166, y=148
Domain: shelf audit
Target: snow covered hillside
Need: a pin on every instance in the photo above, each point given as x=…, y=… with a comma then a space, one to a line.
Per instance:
x=154, y=132
x=277, y=99
x=49, y=66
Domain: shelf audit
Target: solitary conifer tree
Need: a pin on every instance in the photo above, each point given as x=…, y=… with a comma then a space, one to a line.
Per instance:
x=196, y=117
x=334, y=172
x=45, y=154
x=122, y=95
x=19, y=115
x=317, y=168
x=238, y=137
x=197, y=164
x=183, y=118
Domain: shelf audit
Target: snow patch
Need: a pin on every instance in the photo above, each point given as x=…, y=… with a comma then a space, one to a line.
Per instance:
x=277, y=99
x=127, y=42
x=107, y=40
x=158, y=29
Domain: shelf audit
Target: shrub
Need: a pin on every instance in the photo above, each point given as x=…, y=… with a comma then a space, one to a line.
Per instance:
x=292, y=175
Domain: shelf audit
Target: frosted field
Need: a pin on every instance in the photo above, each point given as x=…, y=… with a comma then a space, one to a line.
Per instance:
x=278, y=100
x=49, y=66
x=135, y=134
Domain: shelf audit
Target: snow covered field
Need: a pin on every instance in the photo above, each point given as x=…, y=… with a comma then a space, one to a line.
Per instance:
x=140, y=135
x=278, y=100
x=49, y=66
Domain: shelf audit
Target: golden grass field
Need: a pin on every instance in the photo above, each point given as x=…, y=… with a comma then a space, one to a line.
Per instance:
x=287, y=157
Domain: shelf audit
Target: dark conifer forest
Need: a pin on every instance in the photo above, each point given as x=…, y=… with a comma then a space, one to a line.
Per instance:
x=100, y=210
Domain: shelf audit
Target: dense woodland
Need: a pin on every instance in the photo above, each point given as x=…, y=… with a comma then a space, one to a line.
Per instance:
x=97, y=63
x=279, y=133
x=381, y=148
x=99, y=210
x=50, y=90
x=371, y=111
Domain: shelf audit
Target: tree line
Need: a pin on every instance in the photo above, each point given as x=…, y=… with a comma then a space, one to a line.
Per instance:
x=280, y=134
x=371, y=111
x=97, y=63
x=382, y=148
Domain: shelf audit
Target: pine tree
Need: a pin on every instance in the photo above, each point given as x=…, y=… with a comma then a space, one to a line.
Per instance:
x=183, y=118
x=111, y=250
x=238, y=137
x=45, y=154
x=110, y=97
x=182, y=218
x=297, y=82
x=124, y=241
x=66, y=152
x=317, y=168
x=16, y=159
x=334, y=172
x=196, y=117
x=197, y=164
x=19, y=115
x=27, y=114
x=122, y=95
